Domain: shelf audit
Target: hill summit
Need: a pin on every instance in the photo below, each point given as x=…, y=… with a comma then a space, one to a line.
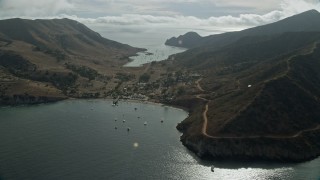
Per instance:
x=308, y=21
x=187, y=40
x=47, y=60
x=60, y=34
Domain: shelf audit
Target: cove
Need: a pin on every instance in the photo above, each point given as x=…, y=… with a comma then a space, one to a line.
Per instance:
x=77, y=139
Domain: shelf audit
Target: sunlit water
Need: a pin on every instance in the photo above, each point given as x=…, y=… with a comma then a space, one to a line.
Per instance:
x=159, y=53
x=77, y=140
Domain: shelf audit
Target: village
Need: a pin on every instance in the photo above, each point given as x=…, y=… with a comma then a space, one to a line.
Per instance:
x=155, y=88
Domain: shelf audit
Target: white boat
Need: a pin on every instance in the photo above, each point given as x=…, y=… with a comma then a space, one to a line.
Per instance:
x=145, y=123
x=124, y=121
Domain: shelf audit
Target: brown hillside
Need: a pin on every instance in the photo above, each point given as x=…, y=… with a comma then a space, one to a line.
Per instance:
x=60, y=53
x=259, y=93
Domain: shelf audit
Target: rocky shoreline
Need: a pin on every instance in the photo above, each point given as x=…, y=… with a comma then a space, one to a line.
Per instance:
x=297, y=149
x=26, y=99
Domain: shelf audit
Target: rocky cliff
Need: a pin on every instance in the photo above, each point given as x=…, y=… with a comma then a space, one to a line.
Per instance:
x=188, y=40
x=297, y=149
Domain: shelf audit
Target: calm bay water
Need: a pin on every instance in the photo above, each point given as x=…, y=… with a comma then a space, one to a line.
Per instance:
x=159, y=53
x=77, y=139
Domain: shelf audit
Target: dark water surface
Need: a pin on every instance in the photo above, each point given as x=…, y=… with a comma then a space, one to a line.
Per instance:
x=77, y=139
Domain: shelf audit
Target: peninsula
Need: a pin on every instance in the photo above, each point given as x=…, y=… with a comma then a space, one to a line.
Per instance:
x=257, y=95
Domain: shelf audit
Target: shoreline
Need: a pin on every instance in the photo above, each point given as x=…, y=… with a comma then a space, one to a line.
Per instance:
x=206, y=148
x=108, y=99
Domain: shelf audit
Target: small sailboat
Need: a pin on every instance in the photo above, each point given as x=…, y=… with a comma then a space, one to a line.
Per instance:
x=124, y=121
x=162, y=120
x=128, y=129
x=145, y=123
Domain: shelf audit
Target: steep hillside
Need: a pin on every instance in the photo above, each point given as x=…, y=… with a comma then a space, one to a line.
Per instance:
x=305, y=22
x=259, y=96
x=61, y=54
x=273, y=102
x=247, y=50
x=61, y=35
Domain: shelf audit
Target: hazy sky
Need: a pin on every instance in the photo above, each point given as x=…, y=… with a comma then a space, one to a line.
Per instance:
x=136, y=15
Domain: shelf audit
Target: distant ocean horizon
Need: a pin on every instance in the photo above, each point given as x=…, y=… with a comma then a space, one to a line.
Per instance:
x=145, y=37
x=151, y=38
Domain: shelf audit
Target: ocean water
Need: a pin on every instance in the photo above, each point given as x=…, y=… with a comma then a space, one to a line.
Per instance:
x=159, y=52
x=77, y=139
x=152, y=38
x=149, y=38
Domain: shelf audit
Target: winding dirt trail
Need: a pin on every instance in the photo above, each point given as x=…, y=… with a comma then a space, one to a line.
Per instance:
x=205, y=124
x=198, y=85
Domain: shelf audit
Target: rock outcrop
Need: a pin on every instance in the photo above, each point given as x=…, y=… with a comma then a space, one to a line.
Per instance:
x=188, y=40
